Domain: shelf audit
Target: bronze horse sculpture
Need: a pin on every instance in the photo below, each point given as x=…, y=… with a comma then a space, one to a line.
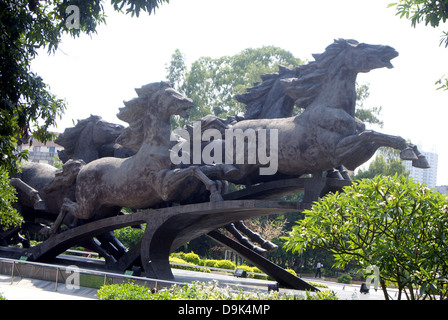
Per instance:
x=147, y=178
x=41, y=190
x=326, y=135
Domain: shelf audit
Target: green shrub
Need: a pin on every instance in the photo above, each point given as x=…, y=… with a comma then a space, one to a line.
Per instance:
x=198, y=291
x=291, y=271
x=317, y=284
x=245, y=268
x=192, y=258
x=225, y=264
x=9, y=216
x=125, y=291
x=180, y=255
x=209, y=263
x=181, y=261
x=321, y=295
x=345, y=278
x=129, y=236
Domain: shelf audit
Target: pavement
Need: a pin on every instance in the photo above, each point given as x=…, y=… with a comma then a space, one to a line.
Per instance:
x=30, y=289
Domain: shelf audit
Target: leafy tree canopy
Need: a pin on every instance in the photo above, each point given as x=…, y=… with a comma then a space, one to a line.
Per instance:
x=27, y=106
x=393, y=223
x=430, y=12
x=213, y=82
x=387, y=163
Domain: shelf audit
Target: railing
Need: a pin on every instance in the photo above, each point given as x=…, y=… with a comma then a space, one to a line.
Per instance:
x=70, y=269
x=215, y=269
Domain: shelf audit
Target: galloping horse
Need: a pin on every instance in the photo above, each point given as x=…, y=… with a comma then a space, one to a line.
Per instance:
x=326, y=135
x=147, y=178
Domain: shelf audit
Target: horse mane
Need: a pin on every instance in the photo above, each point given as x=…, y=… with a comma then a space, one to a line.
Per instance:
x=69, y=138
x=135, y=110
x=302, y=84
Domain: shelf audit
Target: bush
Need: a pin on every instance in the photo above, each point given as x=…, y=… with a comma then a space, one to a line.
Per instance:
x=256, y=276
x=345, y=278
x=246, y=268
x=198, y=291
x=125, y=291
x=395, y=224
x=209, y=263
x=225, y=264
x=128, y=236
x=292, y=272
x=192, y=258
x=181, y=261
x=9, y=216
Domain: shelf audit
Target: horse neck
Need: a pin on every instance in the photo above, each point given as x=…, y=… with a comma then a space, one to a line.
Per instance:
x=157, y=135
x=339, y=91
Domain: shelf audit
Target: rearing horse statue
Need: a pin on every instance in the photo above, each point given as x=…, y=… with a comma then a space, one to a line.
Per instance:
x=147, y=178
x=326, y=135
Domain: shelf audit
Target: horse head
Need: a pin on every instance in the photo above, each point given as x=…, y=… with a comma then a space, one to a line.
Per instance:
x=277, y=93
x=362, y=57
x=340, y=62
x=155, y=103
x=86, y=138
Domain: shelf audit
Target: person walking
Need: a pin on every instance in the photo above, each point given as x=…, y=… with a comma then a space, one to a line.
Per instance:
x=319, y=270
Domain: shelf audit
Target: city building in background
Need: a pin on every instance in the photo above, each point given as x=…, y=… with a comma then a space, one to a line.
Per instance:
x=427, y=176
x=41, y=152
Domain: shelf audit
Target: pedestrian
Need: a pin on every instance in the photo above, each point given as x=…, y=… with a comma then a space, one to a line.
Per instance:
x=319, y=270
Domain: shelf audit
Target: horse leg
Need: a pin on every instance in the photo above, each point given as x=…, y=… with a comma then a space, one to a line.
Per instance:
x=113, y=243
x=265, y=244
x=68, y=206
x=421, y=161
x=353, y=151
x=94, y=245
x=244, y=240
x=175, y=177
x=31, y=193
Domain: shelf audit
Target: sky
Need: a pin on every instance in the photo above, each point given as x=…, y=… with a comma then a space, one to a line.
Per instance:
x=95, y=74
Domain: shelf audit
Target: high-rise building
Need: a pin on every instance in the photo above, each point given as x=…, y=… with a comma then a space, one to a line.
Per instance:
x=427, y=176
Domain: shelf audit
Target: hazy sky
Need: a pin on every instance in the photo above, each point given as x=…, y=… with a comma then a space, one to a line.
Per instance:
x=95, y=74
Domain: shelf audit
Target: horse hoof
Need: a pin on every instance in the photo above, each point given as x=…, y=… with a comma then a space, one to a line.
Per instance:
x=269, y=246
x=408, y=154
x=215, y=197
x=334, y=174
x=421, y=162
x=258, y=250
x=40, y=205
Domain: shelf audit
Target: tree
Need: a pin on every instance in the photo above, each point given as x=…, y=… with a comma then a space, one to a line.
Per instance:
x=27, y=106
x=393, y=223
x=431, y=12
x=387, y=163
x=212, y=83
x=9, y=217
x=369, y=115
